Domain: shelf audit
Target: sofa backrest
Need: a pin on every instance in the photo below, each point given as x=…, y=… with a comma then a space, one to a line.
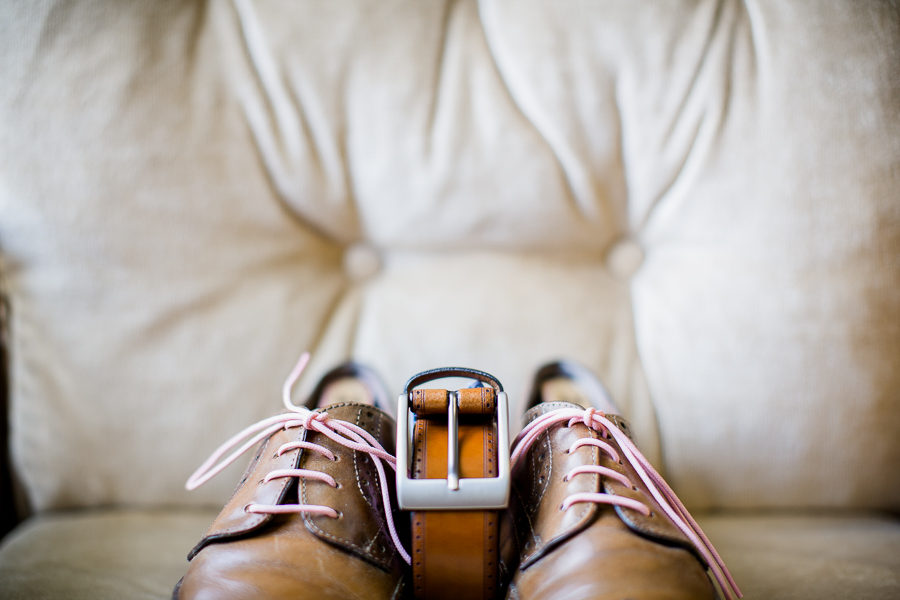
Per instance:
x=697, y=200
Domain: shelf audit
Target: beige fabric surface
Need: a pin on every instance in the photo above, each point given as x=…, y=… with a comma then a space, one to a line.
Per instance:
x=141, y=554
x=100, y=555
x=696, y=199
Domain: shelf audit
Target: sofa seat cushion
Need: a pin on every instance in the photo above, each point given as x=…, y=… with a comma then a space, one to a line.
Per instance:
x=816, y=556
x=141, y=554
x=137, y=554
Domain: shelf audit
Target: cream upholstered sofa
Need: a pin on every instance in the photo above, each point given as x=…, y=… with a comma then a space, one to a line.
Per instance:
x=698, y=200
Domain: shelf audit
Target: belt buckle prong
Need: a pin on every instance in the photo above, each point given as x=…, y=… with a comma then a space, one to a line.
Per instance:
x=453, y=440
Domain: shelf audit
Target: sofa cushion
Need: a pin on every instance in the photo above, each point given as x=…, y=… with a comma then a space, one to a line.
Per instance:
x=141, y=554
x=696, y=199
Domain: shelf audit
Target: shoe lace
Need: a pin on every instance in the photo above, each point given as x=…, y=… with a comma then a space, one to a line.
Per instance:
x=659, y=489
x=342, y=432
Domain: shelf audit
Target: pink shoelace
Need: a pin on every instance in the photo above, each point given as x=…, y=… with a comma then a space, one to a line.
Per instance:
x=344, y=433
x=654, y=482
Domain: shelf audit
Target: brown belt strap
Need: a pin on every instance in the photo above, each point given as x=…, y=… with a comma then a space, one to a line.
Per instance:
x=454, y=551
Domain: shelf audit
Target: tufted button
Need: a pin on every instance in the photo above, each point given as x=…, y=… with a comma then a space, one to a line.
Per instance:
x=361, y=261
x=624, y=258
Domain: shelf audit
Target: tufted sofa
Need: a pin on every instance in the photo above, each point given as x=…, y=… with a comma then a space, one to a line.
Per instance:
x=697, y=199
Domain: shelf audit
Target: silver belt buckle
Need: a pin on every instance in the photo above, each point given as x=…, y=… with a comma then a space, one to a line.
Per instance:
x=454, y=492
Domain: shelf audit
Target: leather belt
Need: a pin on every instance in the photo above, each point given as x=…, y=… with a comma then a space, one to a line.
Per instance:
x=456, y=481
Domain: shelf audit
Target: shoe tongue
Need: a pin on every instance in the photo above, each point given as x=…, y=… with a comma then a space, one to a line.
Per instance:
x=358, y=413
x=350, y=382
x=346, y=390
x=545, y=407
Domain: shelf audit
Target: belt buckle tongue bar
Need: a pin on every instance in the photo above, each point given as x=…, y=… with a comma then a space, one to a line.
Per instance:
x=454, y=492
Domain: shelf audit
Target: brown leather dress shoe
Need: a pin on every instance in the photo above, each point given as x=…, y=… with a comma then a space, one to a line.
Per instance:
x=590, y=516
x=312, y=516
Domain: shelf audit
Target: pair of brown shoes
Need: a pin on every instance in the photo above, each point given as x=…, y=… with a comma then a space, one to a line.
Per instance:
x=315, y=514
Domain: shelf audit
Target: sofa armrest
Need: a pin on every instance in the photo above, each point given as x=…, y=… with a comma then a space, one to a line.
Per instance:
x=8, y=512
